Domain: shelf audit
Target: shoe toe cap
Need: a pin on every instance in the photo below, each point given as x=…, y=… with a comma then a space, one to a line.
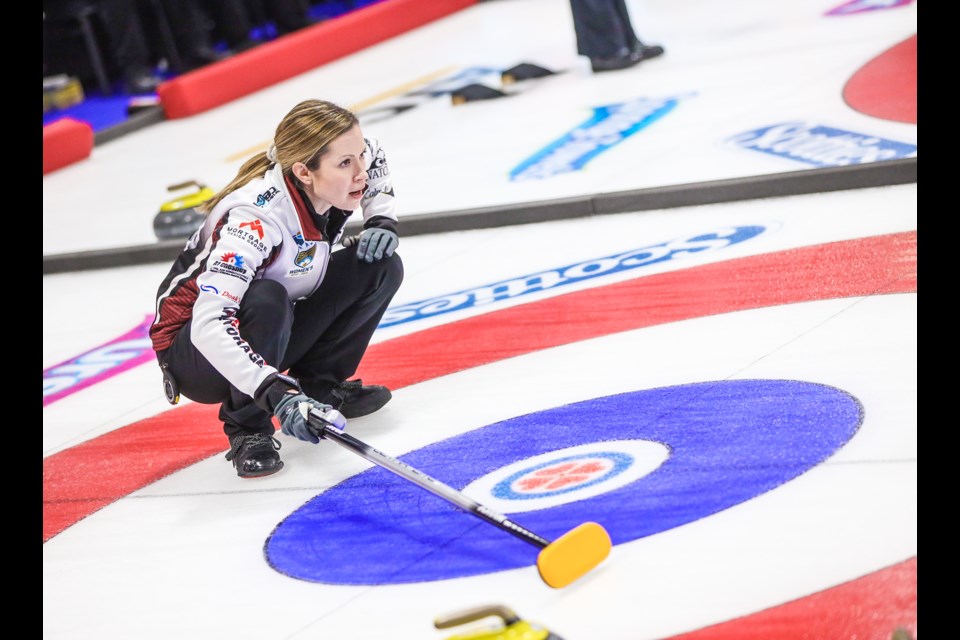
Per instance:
x=651, y=51
x=617, y=63
x=257, y=466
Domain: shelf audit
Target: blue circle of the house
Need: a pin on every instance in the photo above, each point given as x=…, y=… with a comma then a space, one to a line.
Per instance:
x=729, y=441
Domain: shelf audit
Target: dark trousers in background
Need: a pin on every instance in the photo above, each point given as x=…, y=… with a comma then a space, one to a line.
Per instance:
x=603, y=28
x=321, y=339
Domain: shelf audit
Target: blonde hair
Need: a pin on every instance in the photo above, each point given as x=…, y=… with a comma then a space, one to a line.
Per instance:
x=303, y=135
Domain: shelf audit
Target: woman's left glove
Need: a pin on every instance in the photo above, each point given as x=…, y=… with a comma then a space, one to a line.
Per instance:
x=373, y=244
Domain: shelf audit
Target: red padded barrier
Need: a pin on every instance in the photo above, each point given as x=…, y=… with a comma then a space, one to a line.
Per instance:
x=296, y=53
x=65, y=141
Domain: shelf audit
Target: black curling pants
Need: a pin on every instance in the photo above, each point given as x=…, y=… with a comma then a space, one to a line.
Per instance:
x=321, y=339
x=602, y=27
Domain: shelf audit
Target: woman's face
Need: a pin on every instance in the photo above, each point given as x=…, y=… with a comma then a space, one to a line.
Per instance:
x=340, y=179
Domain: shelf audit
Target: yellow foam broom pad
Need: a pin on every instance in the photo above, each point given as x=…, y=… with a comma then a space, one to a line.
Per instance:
x=573, y=554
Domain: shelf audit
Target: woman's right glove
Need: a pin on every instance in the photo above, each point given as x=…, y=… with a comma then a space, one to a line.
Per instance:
x=282, y=396
x=373, y=244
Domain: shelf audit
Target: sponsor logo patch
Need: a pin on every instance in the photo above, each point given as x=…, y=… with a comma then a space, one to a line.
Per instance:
x=821, y=146
x=231, y=326
x=248, y=237
x=232, y=259
x=378, y=168
x=610, y=125
x=230, y=264
x=570, y=274
x=254, y=226
x=266, y=197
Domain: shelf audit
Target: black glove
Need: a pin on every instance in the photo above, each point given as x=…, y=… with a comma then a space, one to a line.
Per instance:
x=281, y=395
x=373, y=244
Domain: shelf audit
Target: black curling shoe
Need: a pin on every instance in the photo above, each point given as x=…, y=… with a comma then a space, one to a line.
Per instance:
x=647, y=51
x=255, y=455
x=354, y=399
x=625, y=61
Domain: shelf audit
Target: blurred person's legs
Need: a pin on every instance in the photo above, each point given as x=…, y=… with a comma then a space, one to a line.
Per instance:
x=126, y=56
x=605, y=35
x=232, y=24
x=646, y=51
x=286, y=16
x=129, y=46
x=182, y=33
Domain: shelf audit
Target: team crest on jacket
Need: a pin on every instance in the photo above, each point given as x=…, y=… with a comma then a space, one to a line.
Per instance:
x=306, y=253
x=305, y=256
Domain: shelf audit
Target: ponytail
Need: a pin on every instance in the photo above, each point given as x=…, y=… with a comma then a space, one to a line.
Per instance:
x=251, y=169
